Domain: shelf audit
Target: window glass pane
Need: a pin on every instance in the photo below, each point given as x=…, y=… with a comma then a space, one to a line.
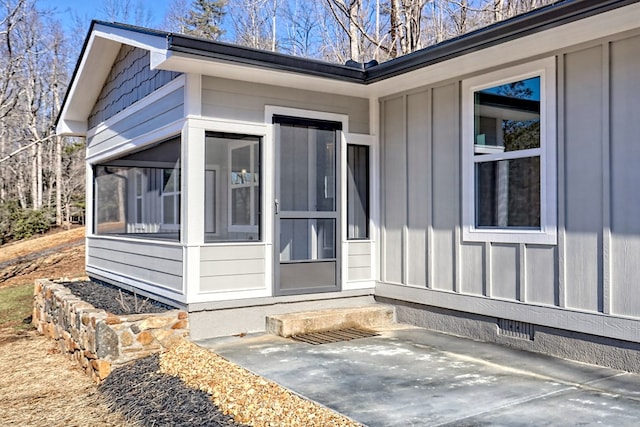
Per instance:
x=307, y=239
x=507, y=117
x=508, y=193
x=139, y=211
x=357, y=192
x=168, y=216
x=168, y=182
x=138, y=184
x=139, y=194
x=232, y=194
x=241, y=166
x=241, y=206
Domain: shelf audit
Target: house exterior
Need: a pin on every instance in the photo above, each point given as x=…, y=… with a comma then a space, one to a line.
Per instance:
x=485, y=186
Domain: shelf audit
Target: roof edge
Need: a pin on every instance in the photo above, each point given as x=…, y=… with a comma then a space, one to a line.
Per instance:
x=532, y=22
x=263, y=59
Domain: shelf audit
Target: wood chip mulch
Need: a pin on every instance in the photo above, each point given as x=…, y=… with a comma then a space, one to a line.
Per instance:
x=248, y=398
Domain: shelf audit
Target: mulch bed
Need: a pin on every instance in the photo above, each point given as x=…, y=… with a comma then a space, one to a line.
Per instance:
x=138, y=390
x=114, y=300
x=141, y=393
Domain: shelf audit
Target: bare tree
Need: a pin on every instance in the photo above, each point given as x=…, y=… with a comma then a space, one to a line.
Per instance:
x=126, y=11
x=255, y=23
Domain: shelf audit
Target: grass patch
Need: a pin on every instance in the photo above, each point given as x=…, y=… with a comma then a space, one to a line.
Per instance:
x=16, y=304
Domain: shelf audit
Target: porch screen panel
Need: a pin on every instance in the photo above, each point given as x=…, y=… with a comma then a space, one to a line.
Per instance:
x=139, y=195
x=233, y=187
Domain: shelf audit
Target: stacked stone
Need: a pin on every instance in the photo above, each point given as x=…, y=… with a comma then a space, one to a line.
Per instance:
x=97, y=340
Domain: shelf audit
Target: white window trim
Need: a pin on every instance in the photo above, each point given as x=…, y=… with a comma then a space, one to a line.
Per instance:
x=547, y=234
x=254, y=194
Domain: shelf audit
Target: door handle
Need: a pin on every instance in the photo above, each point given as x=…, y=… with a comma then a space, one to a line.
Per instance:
x=277, y=206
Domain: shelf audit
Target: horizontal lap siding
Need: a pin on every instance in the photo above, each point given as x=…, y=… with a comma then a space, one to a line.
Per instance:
x=243, y=101
x=152, y=263
x=163, y=112
x=359, y=261
x=589, y=269
x=232, y=268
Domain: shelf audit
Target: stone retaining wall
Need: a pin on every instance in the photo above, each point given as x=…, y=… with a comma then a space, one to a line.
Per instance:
x=97, y=340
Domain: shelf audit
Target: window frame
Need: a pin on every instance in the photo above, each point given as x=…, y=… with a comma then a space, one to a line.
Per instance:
x=547, y=233
x=139, y=198
x=176, y=194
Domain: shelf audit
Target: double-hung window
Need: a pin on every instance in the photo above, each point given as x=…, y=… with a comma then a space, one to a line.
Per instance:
x=509, y=189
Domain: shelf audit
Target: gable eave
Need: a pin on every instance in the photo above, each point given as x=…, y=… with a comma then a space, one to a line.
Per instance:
x=96, y=59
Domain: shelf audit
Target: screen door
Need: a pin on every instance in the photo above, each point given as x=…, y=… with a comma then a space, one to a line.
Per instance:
x=306, y=206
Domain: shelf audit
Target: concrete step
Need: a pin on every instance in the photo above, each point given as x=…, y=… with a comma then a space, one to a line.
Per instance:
x=366, y=317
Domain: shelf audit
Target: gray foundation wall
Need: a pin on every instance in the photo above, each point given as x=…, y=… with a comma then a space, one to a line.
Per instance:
x=251, y=317
x=602, y=351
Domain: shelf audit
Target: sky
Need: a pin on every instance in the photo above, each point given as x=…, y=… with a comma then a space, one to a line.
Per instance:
x=65, y=10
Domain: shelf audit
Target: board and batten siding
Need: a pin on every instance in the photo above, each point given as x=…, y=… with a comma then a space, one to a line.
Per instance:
x=156, y=264
x=149, y=118
x=130, y=79
x=232, y=268
x=242, y=101
x=595, y=266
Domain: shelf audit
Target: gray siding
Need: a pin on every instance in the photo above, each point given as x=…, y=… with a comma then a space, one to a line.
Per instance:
x=156, y=264
x=394, y=189
x=625, y=176
x=129, y=80
x=359, y=261
x=242, y=101
x=232, y=268
x=153, y=116
x=594, y=267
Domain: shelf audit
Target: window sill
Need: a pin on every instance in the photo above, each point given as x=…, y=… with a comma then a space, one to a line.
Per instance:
x=536, y=237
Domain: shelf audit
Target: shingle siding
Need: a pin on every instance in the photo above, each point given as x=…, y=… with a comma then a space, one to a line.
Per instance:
x=129, y=80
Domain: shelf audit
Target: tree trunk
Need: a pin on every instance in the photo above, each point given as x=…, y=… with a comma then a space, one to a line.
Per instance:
x=354, y=42
x=34, y=177
x=58, y=180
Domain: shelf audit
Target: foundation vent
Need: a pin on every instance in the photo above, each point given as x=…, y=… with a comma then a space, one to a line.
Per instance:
x=514, y=329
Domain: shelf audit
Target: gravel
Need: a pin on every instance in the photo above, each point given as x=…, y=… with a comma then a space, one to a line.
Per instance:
x=141, y=393
x=114, y=300
x=190, y=386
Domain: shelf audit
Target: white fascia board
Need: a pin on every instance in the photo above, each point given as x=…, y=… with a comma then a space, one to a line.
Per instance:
x=92, y=72
x=186, y=63
x=71, y=128
x=100, y=53
x=524, y=48
x=150, y=42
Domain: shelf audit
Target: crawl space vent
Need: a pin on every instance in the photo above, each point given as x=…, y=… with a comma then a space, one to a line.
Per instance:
x=514, y=329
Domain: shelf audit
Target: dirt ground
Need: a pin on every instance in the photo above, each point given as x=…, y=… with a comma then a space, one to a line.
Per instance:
x=38, y=385
x=41, y=387
x=62, y=256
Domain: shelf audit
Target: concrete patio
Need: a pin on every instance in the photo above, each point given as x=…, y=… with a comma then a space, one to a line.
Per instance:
x=414, y=377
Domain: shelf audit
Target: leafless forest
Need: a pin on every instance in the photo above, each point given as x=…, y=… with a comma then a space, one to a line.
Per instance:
x=42, y=175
